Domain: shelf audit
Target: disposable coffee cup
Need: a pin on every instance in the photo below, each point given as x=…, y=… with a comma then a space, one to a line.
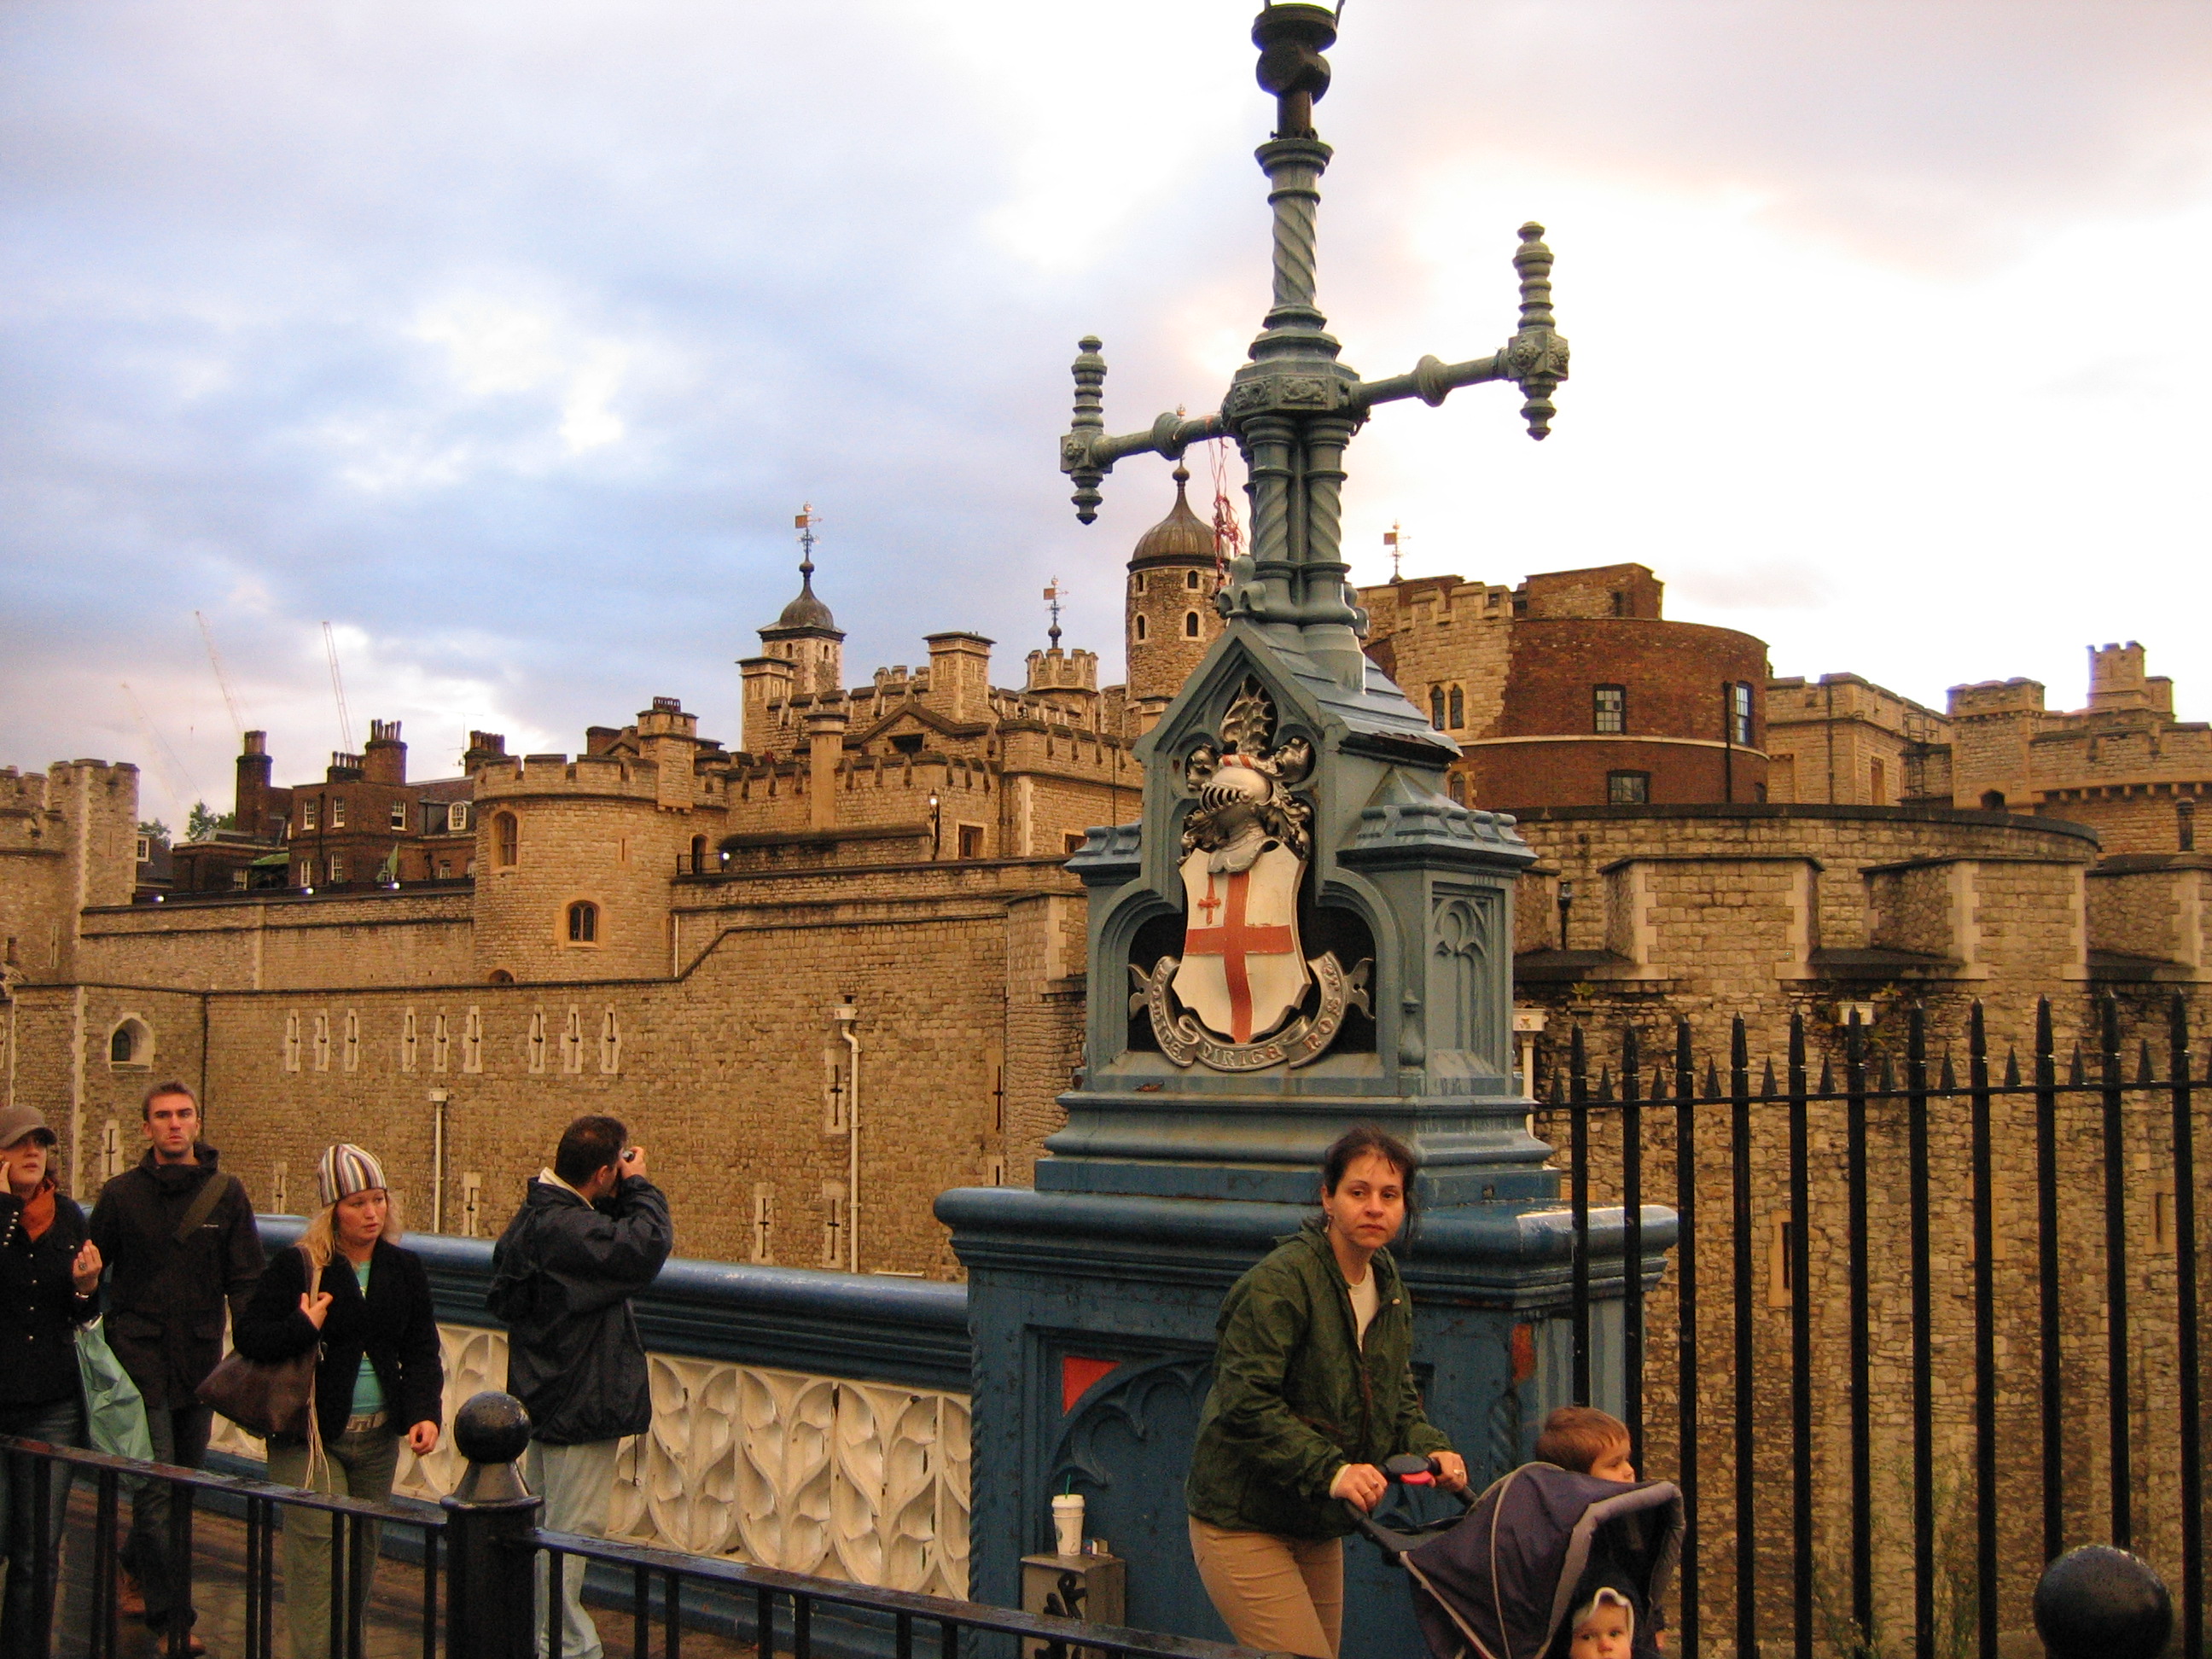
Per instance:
x=1067, y=1522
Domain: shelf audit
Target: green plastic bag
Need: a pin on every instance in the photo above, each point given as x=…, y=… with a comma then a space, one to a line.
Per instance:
x=114, y=1411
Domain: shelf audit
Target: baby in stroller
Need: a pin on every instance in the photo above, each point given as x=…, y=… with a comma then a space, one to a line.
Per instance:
x=1546, y=1564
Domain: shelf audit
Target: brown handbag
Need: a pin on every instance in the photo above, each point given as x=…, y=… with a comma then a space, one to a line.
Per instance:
x=267, y=1397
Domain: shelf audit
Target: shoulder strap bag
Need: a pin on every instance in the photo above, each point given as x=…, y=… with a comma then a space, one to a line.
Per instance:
x=267, y=1397
x=212, y=1192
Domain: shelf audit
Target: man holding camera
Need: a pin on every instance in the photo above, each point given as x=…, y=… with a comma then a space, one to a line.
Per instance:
x=591, y=1232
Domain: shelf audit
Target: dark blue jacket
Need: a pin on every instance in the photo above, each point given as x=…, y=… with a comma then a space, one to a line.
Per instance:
x=563, y=1276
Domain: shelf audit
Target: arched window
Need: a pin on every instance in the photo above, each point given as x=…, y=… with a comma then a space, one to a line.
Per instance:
x=583, y=922
x=499, y=976
x=1141, y=630
x=131, y=1044
x=1137, y=583
x=1436, y=706
x=507, y=839
x=1190, y=579
x=1993, y=800
x=1190, y=624
x=1458, y=708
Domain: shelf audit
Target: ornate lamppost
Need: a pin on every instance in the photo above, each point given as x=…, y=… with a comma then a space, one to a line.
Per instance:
x=1293, y=408
x=1303, y=933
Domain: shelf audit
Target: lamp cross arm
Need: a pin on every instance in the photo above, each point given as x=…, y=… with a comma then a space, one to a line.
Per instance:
x=1536, y=358
x=1087, y=454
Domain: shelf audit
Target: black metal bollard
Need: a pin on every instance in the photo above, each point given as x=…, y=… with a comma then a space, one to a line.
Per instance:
x=2096, y=1603
x=490, y=1577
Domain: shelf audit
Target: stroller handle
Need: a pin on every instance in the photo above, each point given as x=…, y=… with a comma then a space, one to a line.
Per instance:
x=1407, y=1469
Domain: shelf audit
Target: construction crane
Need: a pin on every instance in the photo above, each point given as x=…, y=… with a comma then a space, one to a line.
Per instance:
x=338, y=688
x=184, y=795
x=222, y=679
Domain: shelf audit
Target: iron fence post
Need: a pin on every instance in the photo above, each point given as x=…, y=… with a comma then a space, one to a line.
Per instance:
x=491, y=1577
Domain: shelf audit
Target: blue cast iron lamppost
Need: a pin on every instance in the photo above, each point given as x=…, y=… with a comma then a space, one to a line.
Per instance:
x=1301, y=933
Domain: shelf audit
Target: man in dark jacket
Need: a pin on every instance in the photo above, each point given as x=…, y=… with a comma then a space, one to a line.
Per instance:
x=591, y=1232
x=178, y=1239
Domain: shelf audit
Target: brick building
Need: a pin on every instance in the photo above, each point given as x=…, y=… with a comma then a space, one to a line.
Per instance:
x=1573, y=690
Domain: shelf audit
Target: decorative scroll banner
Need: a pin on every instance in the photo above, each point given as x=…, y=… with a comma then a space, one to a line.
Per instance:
x=1183, y=1039
x=864, y=1481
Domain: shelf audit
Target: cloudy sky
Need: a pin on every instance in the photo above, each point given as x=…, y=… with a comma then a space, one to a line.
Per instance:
x=506, y=337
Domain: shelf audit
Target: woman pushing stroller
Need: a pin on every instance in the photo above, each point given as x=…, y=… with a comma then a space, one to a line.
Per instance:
x=1313, y=1392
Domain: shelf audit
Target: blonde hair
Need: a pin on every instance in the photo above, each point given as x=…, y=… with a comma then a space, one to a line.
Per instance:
x=320, y=1240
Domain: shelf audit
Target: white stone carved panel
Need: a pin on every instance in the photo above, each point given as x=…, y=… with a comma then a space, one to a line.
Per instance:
x=866, y=1481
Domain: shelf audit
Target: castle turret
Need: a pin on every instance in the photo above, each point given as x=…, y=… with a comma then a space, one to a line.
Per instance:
x=802, y=656
x=1171, y=620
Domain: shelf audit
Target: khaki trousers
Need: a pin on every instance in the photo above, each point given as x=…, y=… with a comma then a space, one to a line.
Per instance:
x=357, y=1464
x=1279, y=1594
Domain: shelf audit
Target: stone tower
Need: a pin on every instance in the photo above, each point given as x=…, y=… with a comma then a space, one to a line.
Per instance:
x=1171, y=619
x=803, y=657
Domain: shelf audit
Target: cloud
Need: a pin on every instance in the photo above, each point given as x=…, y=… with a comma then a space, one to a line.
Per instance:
x=510, y=335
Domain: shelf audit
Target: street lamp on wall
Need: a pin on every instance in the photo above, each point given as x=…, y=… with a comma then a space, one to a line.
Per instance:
x=1566, y=903
x=936, y=823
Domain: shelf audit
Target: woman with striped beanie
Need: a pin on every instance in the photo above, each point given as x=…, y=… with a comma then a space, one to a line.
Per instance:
x=379, y=1378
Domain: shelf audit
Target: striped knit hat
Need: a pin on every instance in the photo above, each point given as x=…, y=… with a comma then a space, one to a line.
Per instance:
x=345, y=1169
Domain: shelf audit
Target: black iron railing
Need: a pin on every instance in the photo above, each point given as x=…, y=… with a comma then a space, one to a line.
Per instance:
x=484, y=1605
x=260, y=1506
x=779, y=1610
x=1986, y=1292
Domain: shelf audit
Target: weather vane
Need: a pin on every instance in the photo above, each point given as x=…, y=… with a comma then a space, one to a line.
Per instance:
x=1293, y=408
x=1052, y=597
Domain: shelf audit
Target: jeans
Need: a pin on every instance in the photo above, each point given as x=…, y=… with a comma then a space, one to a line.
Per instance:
x=179, y=1434
x=577, y=1486
x=355, y=1465
x=58, y=1423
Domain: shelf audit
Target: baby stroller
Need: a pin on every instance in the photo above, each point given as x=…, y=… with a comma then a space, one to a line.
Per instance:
x=1502, y=1580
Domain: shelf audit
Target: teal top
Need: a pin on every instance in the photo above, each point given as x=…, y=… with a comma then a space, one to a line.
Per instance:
x=368, y=1392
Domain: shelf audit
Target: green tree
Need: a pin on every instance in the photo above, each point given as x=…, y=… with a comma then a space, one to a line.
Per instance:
x=153, y=827
x=204, y=822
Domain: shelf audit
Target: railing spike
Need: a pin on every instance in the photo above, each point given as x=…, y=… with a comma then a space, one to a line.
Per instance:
x=1767, y=1088
x=1605, y=1084
x=2075, y=1076
x=1886, y=1081
x=1827, y=1076
x=2012, y=1068
x=1712, y=1079
x=1949, y=1079
x=2143, y=1072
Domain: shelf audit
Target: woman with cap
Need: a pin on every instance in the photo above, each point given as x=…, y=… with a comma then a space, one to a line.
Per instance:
x=49, y=1286
x=378, y=1380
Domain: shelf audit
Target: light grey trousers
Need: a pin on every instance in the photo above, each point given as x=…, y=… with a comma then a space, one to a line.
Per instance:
x=577, y=1486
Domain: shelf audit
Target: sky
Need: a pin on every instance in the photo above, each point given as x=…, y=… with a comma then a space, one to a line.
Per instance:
x=507, y=338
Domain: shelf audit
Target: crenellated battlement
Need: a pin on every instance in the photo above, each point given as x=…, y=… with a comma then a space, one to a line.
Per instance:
x=1985, y=698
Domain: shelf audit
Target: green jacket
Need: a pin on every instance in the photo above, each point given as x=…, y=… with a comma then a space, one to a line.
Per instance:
x=1295, y=1397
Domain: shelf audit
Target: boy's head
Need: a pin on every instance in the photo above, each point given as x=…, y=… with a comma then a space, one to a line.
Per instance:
x=1604, y=1626
x=1587, y=1441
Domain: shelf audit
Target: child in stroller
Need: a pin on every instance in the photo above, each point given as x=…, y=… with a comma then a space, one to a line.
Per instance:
x=1541, y=1553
